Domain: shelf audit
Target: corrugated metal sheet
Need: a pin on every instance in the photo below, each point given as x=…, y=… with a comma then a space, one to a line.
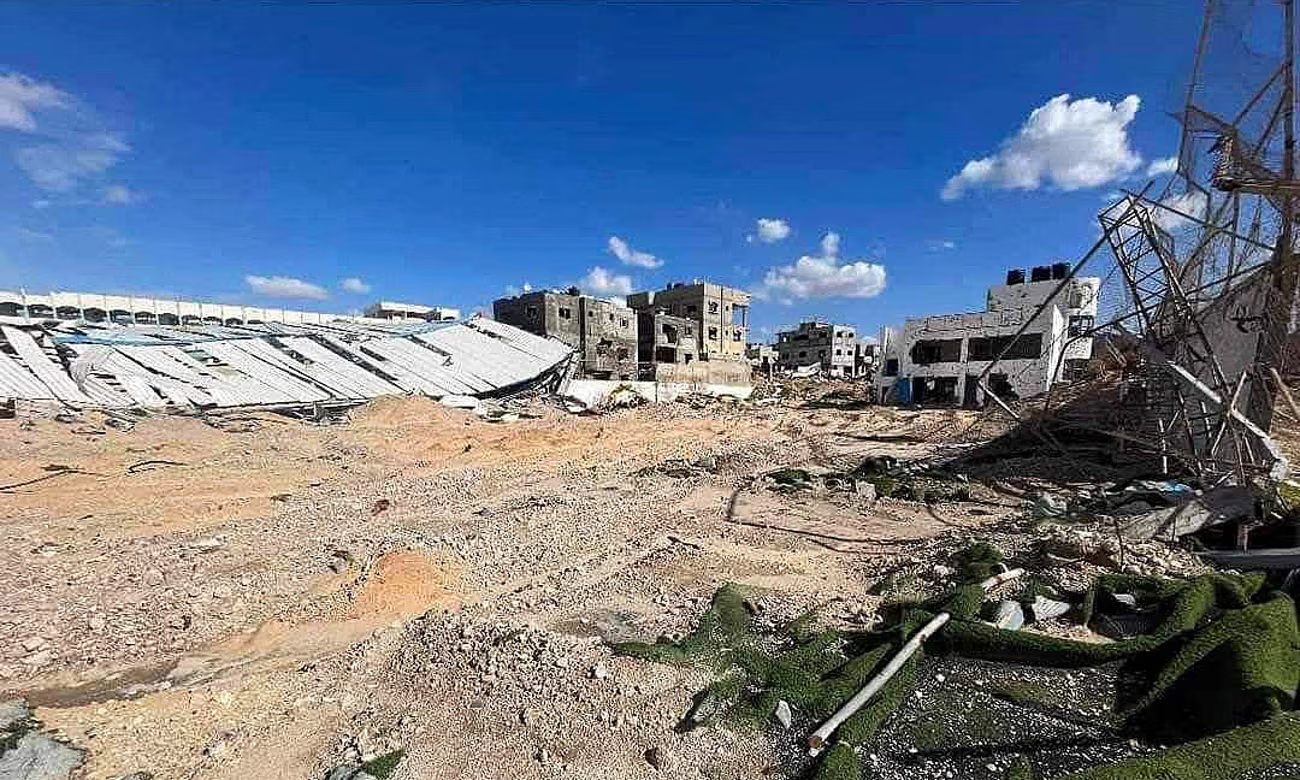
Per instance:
x=52, y=375
x=155, y=366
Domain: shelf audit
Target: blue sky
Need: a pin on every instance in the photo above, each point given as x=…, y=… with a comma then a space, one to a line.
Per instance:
x=442, y=153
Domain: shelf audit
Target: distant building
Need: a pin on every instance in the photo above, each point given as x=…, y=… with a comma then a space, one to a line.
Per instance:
x=833, y=347
x=866, y=358
x=721, y=312
x=604, y=333
x=761, y=356
x=392, y=310
x=939, y=359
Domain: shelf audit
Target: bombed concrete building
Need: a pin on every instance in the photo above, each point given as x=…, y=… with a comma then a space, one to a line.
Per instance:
x=665, y=338
x=603, y=332
x=722, y=314
x=938, y=359
x=817, y=342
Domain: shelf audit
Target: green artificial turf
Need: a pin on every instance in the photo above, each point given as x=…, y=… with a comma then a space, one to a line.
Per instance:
x=1218, y=670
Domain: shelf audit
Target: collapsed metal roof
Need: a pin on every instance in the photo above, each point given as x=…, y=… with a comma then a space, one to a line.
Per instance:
x=89, y=365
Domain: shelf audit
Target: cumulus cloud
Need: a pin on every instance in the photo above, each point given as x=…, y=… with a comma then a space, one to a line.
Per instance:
x=603, y=282
x=1066, y=144
x=1192, y=203
x=354, y=284
x=629, y=256
x=770, y=231
x=62, y=167
x=1162, y=166
x=285, y=287
x=22, y=97
x=70, y=145
x=937, y=245
x=824, y=276
x=119, y=195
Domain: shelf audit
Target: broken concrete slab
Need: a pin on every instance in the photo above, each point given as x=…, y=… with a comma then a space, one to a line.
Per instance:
x=1214, y=507
x=39, y=757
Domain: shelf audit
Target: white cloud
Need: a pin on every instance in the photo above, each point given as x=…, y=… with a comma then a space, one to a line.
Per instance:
x=513, y=290
x=354, y=284
x=21, y=97
x=119, y=195
x=831, y=244
x=823, y=277
x=1192, y=203
x=62, y=167
x=1162, y=166
x=937, y=245
x=71, y=145
x=39, y=236
x=603, y=282
x=629, y=256
x=1069, y=145
x=770, y=231
x=285, y=287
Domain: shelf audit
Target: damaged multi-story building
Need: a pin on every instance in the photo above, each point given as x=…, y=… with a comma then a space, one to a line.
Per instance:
x=718, y=317
x=603, y=332
x=816, y=342
x=938, y=360
x=665, y=338
x=721, y=312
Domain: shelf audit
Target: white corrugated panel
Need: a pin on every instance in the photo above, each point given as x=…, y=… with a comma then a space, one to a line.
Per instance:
x=550, y=351
x=314, y=374
x=18, y=382
x=174, y=391
x=370, y=384
x=405, y=379
x=423, y=361
x=53, y=376
x=231, y=352
x=203, y=389
x=484, y=356
x=247, y=389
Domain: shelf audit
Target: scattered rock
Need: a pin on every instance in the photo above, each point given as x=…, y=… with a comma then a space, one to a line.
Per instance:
x=655, y=758
x=1046, y=609
x=13, y=713
x=599, y=672
x=1048, y=505
x=381, y=505
x=782, y=713
x=38, y=757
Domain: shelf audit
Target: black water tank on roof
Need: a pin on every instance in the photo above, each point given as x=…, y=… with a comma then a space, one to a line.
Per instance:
x=1060, y=270
x=1016, y=276
x=1040, y=273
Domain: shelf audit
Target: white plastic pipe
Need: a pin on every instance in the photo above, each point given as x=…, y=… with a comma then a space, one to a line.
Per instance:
x=819, y=737
x=817, y=740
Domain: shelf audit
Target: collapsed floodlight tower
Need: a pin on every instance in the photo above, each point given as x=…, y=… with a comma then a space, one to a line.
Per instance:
x=1200, y=279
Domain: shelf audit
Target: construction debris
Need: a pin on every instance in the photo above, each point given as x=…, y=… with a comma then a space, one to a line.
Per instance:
x=273, y=365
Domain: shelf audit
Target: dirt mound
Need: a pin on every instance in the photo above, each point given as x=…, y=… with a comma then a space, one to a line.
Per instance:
x=406, y=584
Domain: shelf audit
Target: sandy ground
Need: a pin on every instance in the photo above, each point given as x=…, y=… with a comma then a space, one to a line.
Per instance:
x=270, y=598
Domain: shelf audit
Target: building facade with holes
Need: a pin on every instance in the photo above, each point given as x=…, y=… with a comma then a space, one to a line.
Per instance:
x=722, y=314
x=938, y=360
x=819, y=343
x=604, y=332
